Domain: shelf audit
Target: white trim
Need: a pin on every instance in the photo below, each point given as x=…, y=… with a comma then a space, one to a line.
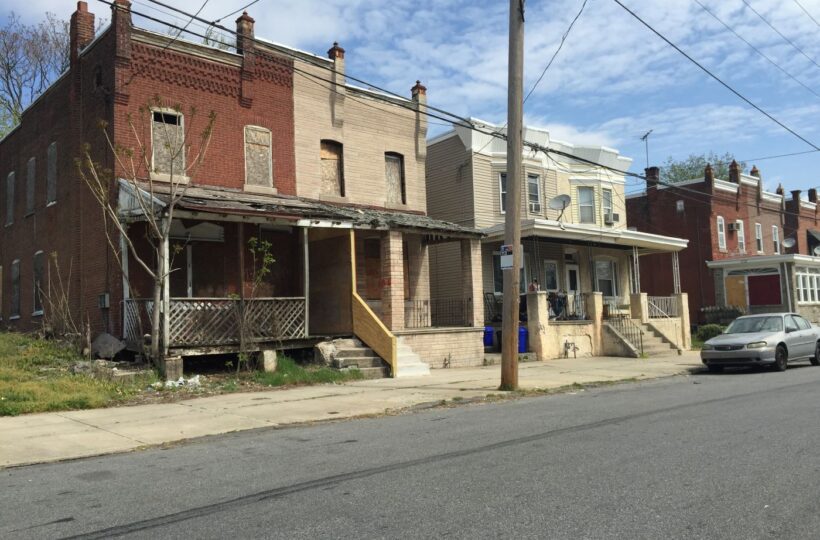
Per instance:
x=808, y=205
x=443, y=137
x=741, y=236
x=776, y=239
x=540, y=202
x=759, y=237
x=544, y=262
x=591, y=205
x=720, y=224
x=180, y=178
x=726, y=186
x=759, y=260
x=502, y=203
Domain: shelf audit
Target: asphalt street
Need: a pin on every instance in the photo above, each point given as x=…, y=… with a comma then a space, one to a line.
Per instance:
x=734, y=455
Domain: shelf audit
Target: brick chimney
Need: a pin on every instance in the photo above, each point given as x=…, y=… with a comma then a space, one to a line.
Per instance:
x=81, y=31
x=754, y=172
x=419, y=96
x=709, y=176
x=813, y=195
x=653, y=178
x=734, y=172
x=796, y=199
x=245, y=47
x=779, y=190
x=337, y=101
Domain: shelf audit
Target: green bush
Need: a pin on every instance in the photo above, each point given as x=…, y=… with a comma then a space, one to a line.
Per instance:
x=708, y=331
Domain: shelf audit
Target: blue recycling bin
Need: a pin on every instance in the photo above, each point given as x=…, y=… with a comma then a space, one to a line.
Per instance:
x=523, y=338
x=488, y=336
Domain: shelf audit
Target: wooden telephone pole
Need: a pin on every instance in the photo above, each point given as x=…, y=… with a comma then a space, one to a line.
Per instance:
x=512, y=221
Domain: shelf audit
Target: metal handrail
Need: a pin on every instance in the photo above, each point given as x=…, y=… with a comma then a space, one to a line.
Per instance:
x=631, y=332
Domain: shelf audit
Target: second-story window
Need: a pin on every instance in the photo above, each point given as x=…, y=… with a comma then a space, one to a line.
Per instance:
x=10, y=198
x=394, y=175
x=31, y=175
x=15, y=289
x=258, y=162
x=741, y=237
x=502, y=190
x=776, y=239
x=39, y=261
x=721, y=233
x=586, y=204
x=168, y=143
x=51, y=174
x=759, y=237
x=606, y=203
x=534, y=193
x=332, y=169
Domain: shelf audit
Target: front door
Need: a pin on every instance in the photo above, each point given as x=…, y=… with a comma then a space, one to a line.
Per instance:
x=573, y=282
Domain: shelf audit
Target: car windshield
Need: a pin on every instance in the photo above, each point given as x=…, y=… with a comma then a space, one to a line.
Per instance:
x=749, y=325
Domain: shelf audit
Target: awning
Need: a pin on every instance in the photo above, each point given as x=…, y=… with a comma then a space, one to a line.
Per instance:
x=574, y=233
x=195, y=200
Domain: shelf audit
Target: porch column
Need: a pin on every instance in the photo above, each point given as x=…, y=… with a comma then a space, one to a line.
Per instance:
x=676, y=272
x=595, y=311
x=537, y=323
x=639, y=306
x=472, y=288
x=683, y=312
x=392, y=255
x=636, y=271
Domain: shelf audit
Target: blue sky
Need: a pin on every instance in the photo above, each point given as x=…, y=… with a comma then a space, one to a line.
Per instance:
x=613, y=80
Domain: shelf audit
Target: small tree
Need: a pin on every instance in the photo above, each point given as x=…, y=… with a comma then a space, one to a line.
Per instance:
x=261, y=262
x=673, y=171
x=138, y=170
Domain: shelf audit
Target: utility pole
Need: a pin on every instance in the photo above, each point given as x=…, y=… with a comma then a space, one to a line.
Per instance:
x=512, y=221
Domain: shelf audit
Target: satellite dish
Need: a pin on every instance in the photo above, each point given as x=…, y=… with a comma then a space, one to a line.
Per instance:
x=560, y=203
x=788, y=242
x=816, y=251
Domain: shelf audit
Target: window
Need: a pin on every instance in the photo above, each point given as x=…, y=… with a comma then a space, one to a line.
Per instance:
x=807, y=282
x=168, y=143
x=679, y=206
x=606, y=277
x=776, y=239
x=258, y=164
x=39, y=259
x=759, y=237
x=332, y=169
x=394, y=174
x=721, y=233
x=31, y=170
x=802, y=323
x=586, y=204
x=502, y=189
x=15, y=289
x=606, y=202
x=51, y=174
x=10, y=198
x=534, y=193
x=741, y=237
x=550, y=276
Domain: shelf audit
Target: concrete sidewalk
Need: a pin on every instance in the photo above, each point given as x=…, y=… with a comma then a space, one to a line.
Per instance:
x=46, y=437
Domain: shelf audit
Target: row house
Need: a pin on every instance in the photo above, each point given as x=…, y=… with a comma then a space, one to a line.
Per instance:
x=749, y=248
x=577, y=248
x=331, y=175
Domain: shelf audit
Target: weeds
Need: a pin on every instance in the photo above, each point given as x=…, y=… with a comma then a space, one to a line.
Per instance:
x=288, y=372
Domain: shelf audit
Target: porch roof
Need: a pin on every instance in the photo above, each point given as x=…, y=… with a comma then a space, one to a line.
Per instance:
x=302, y=212
x=574, y=233
x=737, y=263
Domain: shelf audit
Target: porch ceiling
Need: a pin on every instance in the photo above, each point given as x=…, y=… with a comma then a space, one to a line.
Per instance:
x=572, y=233
x=303, y=212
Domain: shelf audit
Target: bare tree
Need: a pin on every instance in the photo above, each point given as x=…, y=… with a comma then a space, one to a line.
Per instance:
x=156, y=176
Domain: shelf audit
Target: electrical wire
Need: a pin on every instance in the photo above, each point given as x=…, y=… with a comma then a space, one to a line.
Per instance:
x=779, y=33
x=807, y=13
x=232, y=13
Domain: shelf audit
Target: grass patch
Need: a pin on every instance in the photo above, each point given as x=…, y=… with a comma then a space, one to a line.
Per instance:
x=288, y=372
x=697, y=343
x=35, y=377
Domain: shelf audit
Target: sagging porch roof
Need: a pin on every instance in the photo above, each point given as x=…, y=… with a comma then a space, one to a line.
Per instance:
x=300, y=211
x=574, y=233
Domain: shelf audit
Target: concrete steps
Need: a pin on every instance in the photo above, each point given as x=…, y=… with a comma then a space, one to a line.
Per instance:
x=348, y=354
x=654, y=344
x=409, y=363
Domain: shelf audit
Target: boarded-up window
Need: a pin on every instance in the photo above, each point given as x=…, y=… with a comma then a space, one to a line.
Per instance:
x=31, y=171
x=168, y=143
x=10, y=198
x=39, y=262
x=258, y=167
x=394, y=174
x=332, y=169
x=15, y=288
x=51, y=174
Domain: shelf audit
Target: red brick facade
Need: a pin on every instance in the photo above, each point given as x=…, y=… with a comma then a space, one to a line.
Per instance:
x=691, y=211
x=111, y=80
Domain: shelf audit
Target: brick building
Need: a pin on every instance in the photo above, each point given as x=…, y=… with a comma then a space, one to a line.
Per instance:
x=738, y=233
x=330, y=174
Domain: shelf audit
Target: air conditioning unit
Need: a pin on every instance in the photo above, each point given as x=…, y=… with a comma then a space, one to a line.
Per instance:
x=734, y=227
x=611, y=219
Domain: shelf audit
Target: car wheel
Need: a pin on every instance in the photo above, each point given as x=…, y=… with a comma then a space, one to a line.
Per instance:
x=815, y=360
x=715, y=369
x=781, y=359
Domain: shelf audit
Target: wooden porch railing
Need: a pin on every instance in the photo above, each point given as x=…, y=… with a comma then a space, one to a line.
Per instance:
x=215, y=321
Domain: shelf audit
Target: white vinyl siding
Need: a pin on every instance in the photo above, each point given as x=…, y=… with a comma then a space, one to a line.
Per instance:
x=721, y=232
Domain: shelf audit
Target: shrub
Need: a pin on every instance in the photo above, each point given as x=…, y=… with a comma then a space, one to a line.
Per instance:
x=708, y=331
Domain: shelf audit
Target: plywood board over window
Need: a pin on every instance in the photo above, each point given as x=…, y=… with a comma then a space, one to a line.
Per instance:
x=332, y=169
x=168, y=143
x=394, y=174
x=258, y=165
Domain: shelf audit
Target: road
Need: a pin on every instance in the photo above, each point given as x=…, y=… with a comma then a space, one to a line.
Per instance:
x=704, y=456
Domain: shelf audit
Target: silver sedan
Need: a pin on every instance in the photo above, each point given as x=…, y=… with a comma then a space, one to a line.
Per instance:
x=772, y=339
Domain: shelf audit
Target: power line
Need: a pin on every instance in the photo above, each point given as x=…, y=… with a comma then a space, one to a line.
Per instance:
x=779, y=33
x=807, y=13
x=718, y=79
x=205, y=3
x=232, y=13
x=758, y=51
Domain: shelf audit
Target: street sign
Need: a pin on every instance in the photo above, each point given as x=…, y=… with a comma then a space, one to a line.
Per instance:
x=507, y=257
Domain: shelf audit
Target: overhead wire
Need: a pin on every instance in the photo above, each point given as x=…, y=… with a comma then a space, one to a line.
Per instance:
x=781, y=34
x=809, y=15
